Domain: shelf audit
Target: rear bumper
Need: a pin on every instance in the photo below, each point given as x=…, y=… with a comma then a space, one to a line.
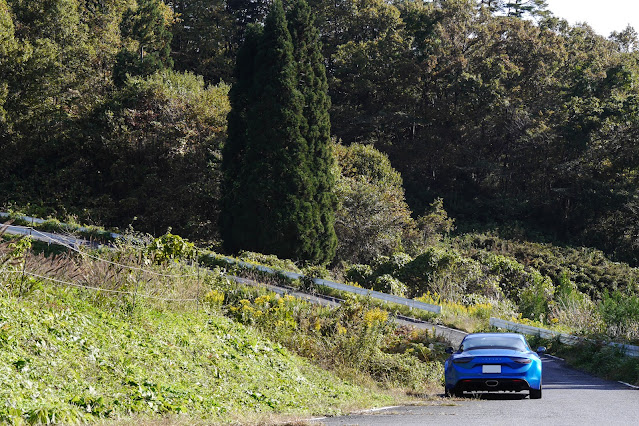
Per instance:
x=488, y=384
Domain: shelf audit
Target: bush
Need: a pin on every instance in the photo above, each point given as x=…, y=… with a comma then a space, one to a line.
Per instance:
x=387, y=284
x=620, y=313
x=574, y=310
x=405, y=370
x=391, y=265
x=534, y=300
x=435, y=223
x=269, y=260
x=429, y=269
x=358, y=273
x=170, y=247
x=373, y=218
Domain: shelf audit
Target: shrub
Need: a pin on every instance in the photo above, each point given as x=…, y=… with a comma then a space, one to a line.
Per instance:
x=315, y=271
x=534, y=300
x=574, y=310
x=405, y=370
x=620, y=313
x=358, y=273
x=269, y=260
x=170, y=247
x=435, y=223
x=373, y=218
x=391, y=265
x=388, y=284
x=432, y=270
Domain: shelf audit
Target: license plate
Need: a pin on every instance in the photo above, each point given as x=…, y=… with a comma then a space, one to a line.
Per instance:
x=491, y=369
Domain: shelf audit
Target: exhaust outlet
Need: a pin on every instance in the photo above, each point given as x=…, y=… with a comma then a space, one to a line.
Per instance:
x=492, y=383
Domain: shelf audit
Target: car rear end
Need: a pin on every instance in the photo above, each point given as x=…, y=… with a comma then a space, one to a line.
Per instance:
x=474, y=372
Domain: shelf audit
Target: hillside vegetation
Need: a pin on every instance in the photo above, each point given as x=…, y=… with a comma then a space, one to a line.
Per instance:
x=111, y=336
x=481, y=155
x=502, y=110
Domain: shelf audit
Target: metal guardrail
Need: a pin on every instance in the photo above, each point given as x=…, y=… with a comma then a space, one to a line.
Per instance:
x=413, y=304
x=34, y=220
x=628, y=350
x=25, y=218
x=47, y=237
x=343, y=287
x=378, y=295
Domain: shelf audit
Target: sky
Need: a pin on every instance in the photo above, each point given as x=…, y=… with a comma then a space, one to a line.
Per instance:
x=604, y=16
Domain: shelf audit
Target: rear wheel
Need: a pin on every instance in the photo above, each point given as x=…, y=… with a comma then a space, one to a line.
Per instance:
x=535, y=393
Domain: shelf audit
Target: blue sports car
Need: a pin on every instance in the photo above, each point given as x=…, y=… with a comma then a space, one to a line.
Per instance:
x=493, y=362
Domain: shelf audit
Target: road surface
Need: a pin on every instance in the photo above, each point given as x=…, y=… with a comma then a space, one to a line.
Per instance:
x=570, y=397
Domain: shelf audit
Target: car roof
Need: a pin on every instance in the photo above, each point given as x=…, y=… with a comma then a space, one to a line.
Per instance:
x=507, y=335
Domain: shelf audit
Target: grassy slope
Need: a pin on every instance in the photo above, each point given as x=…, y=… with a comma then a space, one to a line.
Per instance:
x=61, y=356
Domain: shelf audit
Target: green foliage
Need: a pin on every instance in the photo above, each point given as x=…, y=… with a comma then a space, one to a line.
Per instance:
x=159, y=142
x=277, y=164
x=392, y=265
x=388, y=284
x=7, y=50
x=75, y=356
x=435, y=223
x=148, y=41
x=204, y=39
x=269, y=260
x=314, y=271
x=534, y=299
x=353, y=339
x=422, y=270
x=620, y=313
x=315, y=128
x=364, y=160
x=574, y=309
x=373, y=218
x=150, y=373
x=589, y=269
x=359, y=273
x=168, y=248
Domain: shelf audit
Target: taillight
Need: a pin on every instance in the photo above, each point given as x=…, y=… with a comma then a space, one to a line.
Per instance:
x=462, y=360
x=522, y=360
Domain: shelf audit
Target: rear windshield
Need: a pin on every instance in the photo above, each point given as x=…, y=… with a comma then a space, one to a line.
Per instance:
x=497, y=342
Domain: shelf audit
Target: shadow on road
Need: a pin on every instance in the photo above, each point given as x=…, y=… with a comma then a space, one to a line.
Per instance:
x=499, y=396
x=557, y=375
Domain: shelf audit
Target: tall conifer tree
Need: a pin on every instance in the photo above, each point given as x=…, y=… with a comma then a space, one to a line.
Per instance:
x=271, y=200
x=316, y=129
x=234, y=184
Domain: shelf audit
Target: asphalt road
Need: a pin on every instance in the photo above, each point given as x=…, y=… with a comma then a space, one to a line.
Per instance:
x=570, y=397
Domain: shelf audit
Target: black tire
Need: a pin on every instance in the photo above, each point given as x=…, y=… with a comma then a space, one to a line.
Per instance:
x=535, y=393
x=447, y=392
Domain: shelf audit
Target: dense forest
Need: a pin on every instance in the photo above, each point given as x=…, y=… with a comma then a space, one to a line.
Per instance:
x=115, y=111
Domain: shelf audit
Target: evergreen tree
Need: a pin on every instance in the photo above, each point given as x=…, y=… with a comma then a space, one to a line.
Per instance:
x=272, y=190
x=241, y=96
x=316, y=129
x=149, y=46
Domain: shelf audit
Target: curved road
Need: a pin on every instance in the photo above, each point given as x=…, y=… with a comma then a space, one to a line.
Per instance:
x=570, y=397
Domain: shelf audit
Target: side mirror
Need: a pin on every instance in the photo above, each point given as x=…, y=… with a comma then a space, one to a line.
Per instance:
x=450, y=350
x=541, y=350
